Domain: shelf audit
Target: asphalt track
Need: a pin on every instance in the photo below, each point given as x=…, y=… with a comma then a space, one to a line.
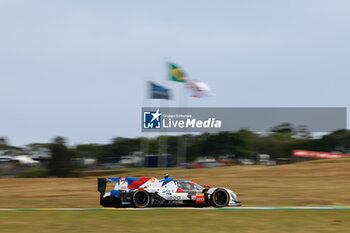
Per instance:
x=188, y=208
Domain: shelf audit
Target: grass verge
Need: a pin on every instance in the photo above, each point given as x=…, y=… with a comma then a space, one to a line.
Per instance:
x=311, y=221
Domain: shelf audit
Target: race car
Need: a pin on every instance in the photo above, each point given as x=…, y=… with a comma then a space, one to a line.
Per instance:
x=143, y=192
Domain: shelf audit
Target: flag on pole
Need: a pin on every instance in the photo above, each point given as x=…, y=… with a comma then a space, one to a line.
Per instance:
x=176, y=73
x=159, y=92
x=198, y=88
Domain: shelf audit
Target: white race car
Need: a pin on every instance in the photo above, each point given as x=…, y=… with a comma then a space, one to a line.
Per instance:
x=143, y=192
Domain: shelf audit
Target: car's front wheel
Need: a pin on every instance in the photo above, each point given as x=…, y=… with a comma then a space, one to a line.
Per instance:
x=219, y=198
x=141, y=199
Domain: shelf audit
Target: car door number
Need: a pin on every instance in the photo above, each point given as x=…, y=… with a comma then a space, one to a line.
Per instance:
x=176, y=198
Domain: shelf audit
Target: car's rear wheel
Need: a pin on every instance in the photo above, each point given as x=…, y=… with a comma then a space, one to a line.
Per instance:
x=141, y=199
x=219, y=198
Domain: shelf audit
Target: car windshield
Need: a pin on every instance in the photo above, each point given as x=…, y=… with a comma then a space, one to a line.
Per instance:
x=198, y=187
x=189, y=186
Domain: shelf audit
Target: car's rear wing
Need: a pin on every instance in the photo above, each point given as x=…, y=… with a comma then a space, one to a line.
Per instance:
x=101, y=185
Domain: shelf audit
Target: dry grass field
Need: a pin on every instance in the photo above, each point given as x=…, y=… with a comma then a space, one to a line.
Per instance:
x=321, y=182
x=310, y=221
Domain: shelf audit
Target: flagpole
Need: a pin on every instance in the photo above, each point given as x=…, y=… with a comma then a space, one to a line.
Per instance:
x=183, y=142
x=144, y=147
x=164, y=72
x=159, y=136
x=178, y=75
x=161, y=139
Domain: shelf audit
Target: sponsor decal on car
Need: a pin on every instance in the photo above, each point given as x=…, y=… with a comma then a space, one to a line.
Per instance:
x=200, y=198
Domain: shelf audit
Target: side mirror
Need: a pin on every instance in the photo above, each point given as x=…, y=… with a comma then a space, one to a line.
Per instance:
x=207, y=186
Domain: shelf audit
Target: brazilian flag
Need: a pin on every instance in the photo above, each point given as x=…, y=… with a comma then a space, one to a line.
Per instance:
x=176, y=74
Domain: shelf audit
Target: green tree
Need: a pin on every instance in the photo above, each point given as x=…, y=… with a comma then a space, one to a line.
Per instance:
x=91, y=150
x=60, y=164
x=3, y=141
x=286, y=128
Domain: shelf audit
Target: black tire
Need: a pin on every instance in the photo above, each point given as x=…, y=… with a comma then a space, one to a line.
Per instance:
x=141, y=199
x=220, y=198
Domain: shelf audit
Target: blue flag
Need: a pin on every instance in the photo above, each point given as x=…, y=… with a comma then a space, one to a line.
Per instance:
x=159, y=92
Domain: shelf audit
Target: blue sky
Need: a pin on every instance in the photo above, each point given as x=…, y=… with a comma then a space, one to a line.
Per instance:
x=78, y=68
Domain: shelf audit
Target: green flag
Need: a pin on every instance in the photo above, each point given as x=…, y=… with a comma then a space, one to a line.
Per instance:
x=176, y=74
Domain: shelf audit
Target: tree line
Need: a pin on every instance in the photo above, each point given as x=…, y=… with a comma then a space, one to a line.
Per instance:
x=278, y=143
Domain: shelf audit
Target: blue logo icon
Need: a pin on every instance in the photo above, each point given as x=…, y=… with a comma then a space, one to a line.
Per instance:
x=152, y=120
